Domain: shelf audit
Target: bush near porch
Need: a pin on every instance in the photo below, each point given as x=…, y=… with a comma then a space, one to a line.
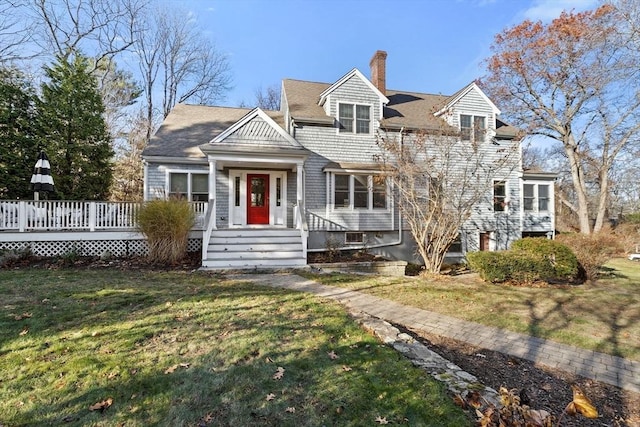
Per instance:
x=166, y=224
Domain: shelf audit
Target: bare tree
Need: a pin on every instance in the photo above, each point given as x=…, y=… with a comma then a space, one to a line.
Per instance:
x=177, y=62
x=573, y=81
x=128, y=172
x=269, y=99
x=102, y=28
x=441, y=181
x=15, y=32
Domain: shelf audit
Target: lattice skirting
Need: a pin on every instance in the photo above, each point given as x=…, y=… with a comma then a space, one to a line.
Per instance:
x=117, y=248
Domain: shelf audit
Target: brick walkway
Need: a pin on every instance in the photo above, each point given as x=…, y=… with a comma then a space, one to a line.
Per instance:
x=590, y=364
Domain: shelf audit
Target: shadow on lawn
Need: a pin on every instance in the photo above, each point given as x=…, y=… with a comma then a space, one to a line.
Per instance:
x=213, y=389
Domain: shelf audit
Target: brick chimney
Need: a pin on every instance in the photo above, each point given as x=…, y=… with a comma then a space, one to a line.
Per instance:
x=378, y=70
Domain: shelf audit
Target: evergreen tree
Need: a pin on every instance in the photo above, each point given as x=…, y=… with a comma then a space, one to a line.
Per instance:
x=18, y=145
x=76, y=135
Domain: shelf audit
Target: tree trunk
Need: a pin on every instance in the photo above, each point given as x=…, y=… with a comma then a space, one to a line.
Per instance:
x=602, y=199
x=577, y=177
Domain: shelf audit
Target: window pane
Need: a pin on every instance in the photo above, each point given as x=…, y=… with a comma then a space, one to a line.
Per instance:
x=199, y=183
x=237, y=192
x=465, y=127
x=543, y=191
x=528, y=190
x=341, y=191
x=345, y=117
x=543, y=197
x=360, y=191
x=362, y=112
x=178, y=184
x=499, y=196
x=379, y=192
x=478, y=129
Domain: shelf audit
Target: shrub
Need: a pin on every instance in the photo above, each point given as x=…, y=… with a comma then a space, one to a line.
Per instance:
x=592, y=251
x=504, y=266
x=166, y=224
x=562, y=261
x=529, y=259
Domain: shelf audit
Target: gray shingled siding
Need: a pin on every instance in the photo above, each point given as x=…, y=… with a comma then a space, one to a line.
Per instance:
x=537, y=222
x=292, y=182
x=222, y=198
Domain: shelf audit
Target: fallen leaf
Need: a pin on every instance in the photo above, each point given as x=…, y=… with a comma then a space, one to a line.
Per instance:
x=474, y=399
x=332, y=355
x=279, y=373
x=381, y=420
x=459, y=401
x=171, y=369
x=537, y=416
x=101, y=406
x=270, y=397
x=290, y=409
x=112, y=375
x=268, y=360
x=583, y=404
x=24, y=332
x=346, y=368
x=185, y=365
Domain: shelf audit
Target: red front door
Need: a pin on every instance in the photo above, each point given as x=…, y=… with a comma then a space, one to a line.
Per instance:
x=257, y=199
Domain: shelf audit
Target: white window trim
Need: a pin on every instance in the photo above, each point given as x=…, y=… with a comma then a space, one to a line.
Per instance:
x=473, y=115
x=506, y=196
x=536, y=197
x=355, y=119
x=351, y=206
x=189, y=172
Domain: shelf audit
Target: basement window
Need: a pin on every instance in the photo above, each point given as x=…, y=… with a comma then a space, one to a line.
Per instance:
x=352, y=238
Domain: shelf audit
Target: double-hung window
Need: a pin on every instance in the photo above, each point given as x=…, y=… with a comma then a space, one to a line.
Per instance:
x=190, y=185
x=499, y=196
x=536, y=197
x=359, y=191
x=354, y=118
x=473, y=128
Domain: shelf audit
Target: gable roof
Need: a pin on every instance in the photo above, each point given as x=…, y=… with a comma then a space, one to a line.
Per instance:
x=189, y=126
x=256, y=128
x=463, y=92
x=353, y=73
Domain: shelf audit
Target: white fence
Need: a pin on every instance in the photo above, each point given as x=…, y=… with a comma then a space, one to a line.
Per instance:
x=61, y=215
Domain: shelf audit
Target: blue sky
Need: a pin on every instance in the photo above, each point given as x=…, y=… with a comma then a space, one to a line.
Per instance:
x=433, y=46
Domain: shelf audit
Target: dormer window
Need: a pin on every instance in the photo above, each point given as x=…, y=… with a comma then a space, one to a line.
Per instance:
x=473, y=128
x=354, y=118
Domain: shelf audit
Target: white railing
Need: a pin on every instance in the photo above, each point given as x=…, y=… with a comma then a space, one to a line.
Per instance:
x=211, y=225
x=69, y=215
x=301, y=224
x=316, y=222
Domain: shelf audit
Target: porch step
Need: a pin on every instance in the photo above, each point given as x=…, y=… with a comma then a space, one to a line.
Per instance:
x=254, y=248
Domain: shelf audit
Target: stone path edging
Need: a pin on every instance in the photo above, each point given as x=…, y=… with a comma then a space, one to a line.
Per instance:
x=612, y=370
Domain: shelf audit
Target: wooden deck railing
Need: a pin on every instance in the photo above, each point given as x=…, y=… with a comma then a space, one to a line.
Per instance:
x=68, y=215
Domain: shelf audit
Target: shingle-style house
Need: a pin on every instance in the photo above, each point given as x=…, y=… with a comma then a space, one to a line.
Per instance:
x=281, y=183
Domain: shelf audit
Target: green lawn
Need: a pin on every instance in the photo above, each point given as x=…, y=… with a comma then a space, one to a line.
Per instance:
x=190, y=349
x=602, y=316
